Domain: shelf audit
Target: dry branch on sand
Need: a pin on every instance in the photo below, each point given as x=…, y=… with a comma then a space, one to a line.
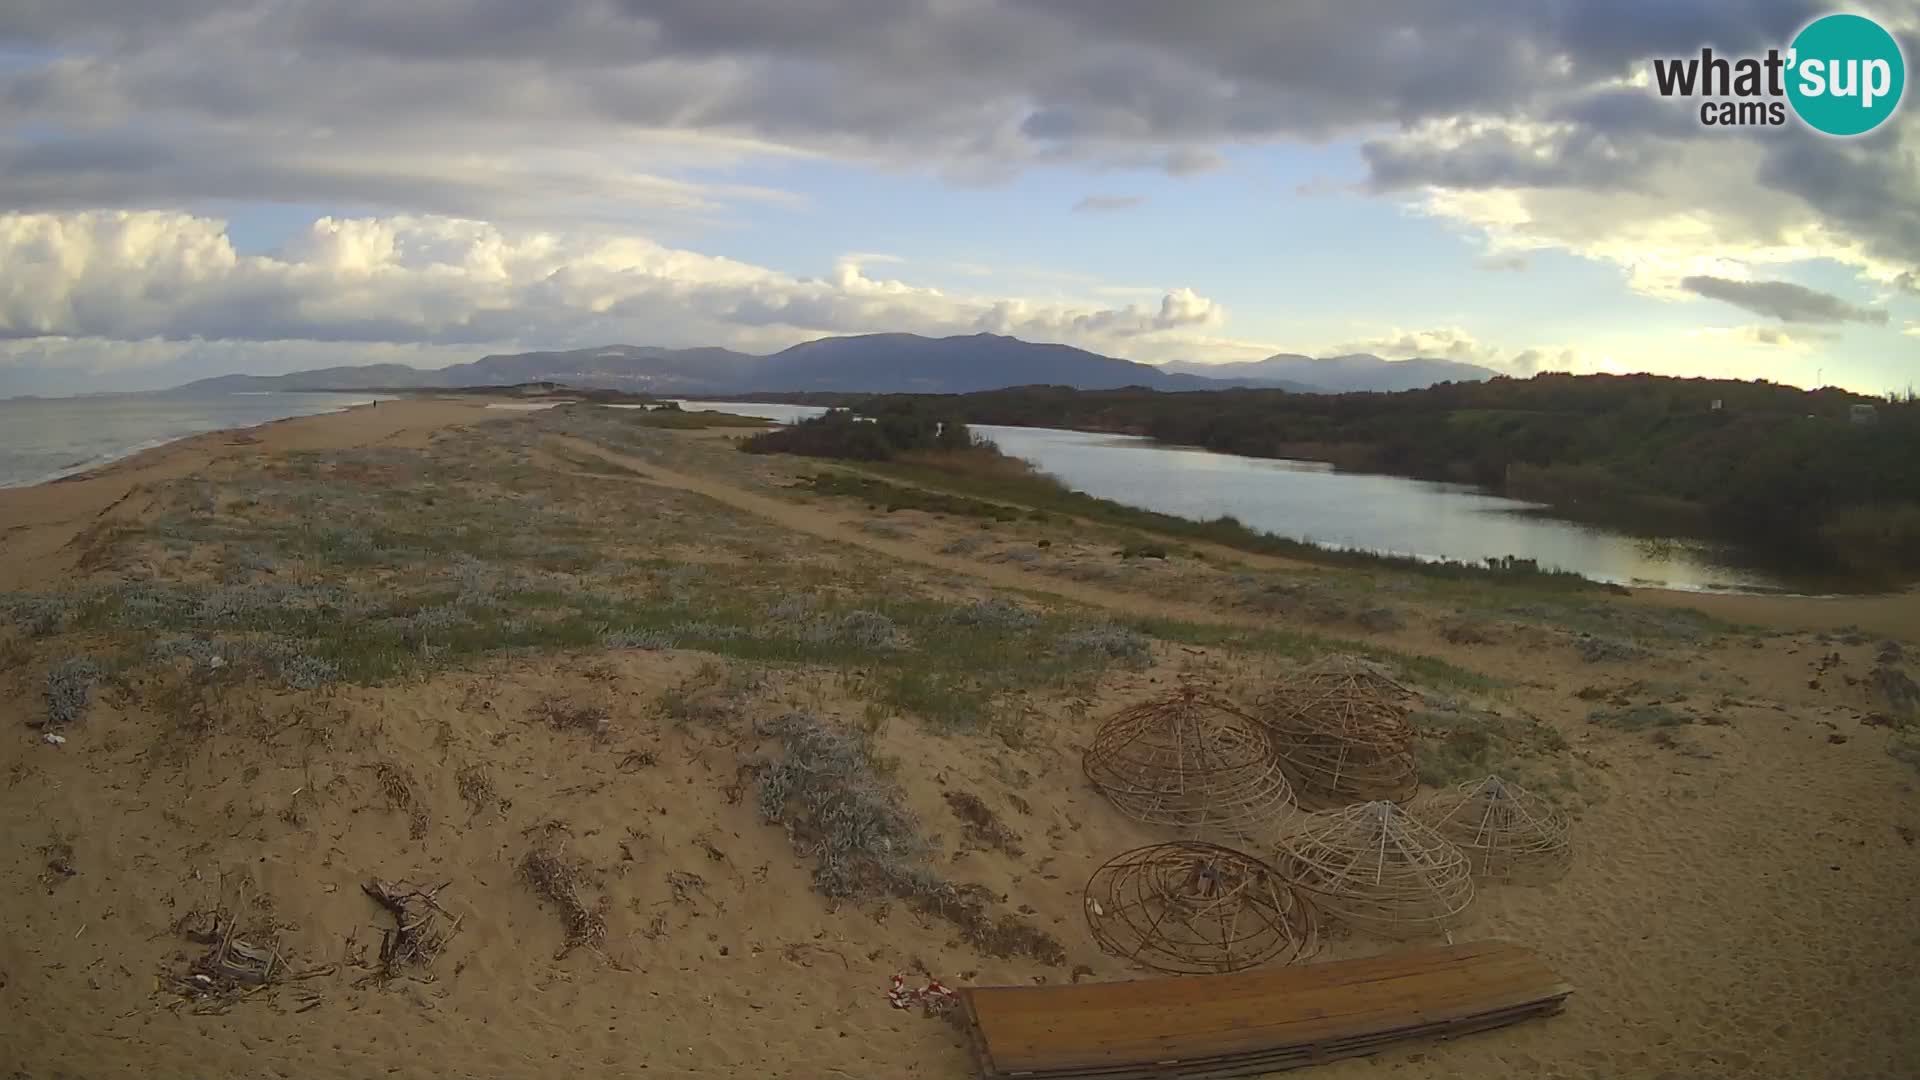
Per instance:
x=232, y=967
x=1339, y=729
x=1508, y=833
x=418, y=934
x=1196, y=908
x=1378, y=870
x=1192, y=761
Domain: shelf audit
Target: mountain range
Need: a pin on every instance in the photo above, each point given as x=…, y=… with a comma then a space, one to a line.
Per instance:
x=876, y=363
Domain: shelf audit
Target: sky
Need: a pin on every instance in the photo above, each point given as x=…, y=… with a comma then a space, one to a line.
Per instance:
x=195, y=187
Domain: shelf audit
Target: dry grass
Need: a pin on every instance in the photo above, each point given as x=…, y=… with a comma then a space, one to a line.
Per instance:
x=476, y=788
x=558, y=879
x=828, y=792
x=396, y=784
x=560, y=714
x=982, y=827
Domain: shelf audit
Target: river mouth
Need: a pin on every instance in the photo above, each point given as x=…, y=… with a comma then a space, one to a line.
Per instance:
x=1313, y=502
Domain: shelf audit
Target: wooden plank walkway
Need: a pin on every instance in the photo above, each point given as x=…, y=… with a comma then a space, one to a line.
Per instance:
x=1208, y=1026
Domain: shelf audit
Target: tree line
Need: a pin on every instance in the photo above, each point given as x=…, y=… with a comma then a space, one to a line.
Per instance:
x=1791, y=474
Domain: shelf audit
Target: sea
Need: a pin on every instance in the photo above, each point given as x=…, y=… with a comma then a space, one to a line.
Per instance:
x=44, y=439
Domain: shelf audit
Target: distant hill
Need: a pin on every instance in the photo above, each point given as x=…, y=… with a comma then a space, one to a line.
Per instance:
x=872, y=363
x=1339, y=374
x=866, y=363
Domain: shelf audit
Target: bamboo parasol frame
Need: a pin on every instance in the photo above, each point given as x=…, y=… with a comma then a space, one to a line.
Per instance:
x=1378, y=870
x=1340, y=732
x=1507, y=833
x=1193, y=908
x=1193, y=761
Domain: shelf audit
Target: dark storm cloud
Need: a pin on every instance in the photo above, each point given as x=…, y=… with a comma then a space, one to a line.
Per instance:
x=1575, y=157
x=977, y=88
x=621, y=110
x=1782, y=300
x=1870, y=187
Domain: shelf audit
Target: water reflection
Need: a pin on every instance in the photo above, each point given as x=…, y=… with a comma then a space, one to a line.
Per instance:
x=1311, y=501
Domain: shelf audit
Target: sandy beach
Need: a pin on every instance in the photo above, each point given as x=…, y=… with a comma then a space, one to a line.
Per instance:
x=450, y=639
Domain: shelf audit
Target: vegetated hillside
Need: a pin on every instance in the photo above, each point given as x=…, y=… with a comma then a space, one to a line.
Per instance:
x=1776, y=469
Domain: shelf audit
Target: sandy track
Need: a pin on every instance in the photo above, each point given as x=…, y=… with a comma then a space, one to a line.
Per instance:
x=820, y=524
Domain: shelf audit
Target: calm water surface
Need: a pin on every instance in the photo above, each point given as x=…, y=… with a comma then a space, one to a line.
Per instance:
x=1310, y=501
x=46, y=438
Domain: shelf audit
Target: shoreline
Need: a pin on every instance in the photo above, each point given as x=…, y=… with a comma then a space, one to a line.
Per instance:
x=113, y=457
x=42, y=520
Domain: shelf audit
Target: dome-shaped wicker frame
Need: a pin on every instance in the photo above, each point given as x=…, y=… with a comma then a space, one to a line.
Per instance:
x=1192, y=908
x=1378, y=870
x=1507, y=833
x=1340, y=732
x=1192, y=761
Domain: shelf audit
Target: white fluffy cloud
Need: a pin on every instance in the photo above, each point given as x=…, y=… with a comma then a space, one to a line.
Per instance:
x=153, y=276
x=1444, y=343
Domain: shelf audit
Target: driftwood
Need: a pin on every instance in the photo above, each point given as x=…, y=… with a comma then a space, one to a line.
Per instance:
x=231, y=969
x=421, y=926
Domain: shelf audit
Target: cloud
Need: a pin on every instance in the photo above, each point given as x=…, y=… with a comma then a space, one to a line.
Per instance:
x=1783, y=300
x=1606, y=169
x=148, y=277
x=463, y=107
x=1912, y=330
x=1532, y=361
x=1771, y=336
x=603, y=128
x=1105, y=203
x=1445, y=343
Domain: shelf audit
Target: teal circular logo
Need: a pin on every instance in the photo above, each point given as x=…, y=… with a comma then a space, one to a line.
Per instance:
x=1846, y=74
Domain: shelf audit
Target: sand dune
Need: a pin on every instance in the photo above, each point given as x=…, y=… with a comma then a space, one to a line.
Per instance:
x=1738, y=904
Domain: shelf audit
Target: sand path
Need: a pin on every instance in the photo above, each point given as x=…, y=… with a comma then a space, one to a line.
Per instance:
x=817, y=523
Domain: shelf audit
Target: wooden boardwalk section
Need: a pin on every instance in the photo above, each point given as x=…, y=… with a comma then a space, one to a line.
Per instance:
x=1207, y=1026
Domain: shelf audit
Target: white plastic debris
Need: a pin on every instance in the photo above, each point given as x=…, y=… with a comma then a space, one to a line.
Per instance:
x=54, y=740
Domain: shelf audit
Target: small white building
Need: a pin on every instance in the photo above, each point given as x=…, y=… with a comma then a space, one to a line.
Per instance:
x=1863, y=414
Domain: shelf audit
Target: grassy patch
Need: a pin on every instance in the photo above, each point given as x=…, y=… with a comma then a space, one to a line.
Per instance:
x=1464, y=744
x=683, y=420
x=1297, y=645
x=1905, y=749
x=827, y=790
x=1638, y=717
x=69, y=690
x=893, y=497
